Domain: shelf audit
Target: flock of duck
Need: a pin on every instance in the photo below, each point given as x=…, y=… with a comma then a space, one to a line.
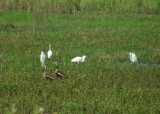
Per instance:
x=58, y=72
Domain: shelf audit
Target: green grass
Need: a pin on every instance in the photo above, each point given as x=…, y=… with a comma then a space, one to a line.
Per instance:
x=102, y=84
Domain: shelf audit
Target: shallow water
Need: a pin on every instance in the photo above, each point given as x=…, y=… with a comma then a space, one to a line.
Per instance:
x=143, y=64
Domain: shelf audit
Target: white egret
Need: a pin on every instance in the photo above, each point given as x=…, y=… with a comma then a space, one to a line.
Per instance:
x=49, y=52
x=42, y=58
x=79, y=59
x=133, y=57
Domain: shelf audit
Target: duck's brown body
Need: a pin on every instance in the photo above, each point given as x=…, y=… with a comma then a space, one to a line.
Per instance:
x=47, y=76
x=59, y=73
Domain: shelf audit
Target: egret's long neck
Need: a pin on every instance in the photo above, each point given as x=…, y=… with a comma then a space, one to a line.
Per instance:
x=50, y=47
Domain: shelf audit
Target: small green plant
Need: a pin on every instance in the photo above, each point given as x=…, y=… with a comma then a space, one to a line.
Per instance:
x=70, y=107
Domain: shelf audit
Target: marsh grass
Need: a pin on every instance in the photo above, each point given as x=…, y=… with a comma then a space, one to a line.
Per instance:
x=101, y=84
x=76, y=6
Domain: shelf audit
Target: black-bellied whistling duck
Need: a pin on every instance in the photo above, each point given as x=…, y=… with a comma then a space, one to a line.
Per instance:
x=59, y=73
x=45, y=75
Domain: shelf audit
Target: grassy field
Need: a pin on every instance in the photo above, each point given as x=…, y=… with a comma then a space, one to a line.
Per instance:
x=105, y=83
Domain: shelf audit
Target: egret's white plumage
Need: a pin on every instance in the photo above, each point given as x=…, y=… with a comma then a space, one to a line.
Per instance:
x=42, y=58
x=79, y=59
x=49, y=52
x=133, y=57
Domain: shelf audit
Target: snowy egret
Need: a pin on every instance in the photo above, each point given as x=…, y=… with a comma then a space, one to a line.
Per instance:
x=49, y=52
x=79, y=59
x=59, y=73
x=133, y=57
x=42, y=58
x=45, y=75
